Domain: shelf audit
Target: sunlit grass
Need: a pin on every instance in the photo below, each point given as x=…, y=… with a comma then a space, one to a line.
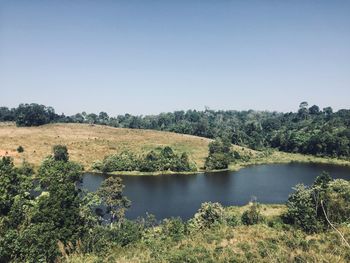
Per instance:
x=256, y=243
x=87, y=143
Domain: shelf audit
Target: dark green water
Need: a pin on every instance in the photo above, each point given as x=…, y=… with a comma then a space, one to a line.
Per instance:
x=181, y=195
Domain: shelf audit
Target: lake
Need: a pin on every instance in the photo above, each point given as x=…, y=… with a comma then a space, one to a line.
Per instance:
x=181, y=195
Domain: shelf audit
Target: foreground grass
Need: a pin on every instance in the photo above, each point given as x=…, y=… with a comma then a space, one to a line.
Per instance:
x=271, y=241
x=88, y=143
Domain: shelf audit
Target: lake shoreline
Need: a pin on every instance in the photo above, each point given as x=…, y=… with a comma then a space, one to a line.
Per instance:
x=180, y=195
x=275, y=158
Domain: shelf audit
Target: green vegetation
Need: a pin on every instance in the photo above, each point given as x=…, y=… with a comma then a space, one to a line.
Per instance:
x=20, y=149
x=307, y=206
x=252, y=216
x=163, y=160
x=33, y=115
x=310, y=130
x=111, y=194
x=60, y=153
x=219, y=156
x=63, y=223
x=255, y=233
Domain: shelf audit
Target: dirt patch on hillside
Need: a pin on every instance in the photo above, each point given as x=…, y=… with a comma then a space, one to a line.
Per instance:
x=10, y=153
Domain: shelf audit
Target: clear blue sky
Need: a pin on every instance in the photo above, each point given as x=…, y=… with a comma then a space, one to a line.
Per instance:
x=145, y=57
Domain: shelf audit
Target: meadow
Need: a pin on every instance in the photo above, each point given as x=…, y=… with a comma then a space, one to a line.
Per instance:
x=87, y=143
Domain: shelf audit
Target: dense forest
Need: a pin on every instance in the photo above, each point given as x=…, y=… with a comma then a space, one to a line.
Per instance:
x=309, y=130
x=46, y=217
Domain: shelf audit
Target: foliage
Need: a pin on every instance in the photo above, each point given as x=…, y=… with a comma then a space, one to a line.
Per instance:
x=252, y=216
x=125, y=161
x=173, y=228
x=219, y=156
x=310, y=130
x=7, y=114
x=34, y=115
x=101, y=238
x=33, y=225
x=307, y=205
x=232, y=219
x=60, y=153
x=153, y=161
x=20, y=149
x=254, y=243
x=111, y=194
x=208, y=215
x=13, y=182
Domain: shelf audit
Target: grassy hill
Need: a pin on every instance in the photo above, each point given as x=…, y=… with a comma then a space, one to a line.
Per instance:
x=88, y=143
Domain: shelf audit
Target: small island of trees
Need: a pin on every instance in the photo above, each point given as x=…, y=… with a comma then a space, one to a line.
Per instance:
x=165, y=159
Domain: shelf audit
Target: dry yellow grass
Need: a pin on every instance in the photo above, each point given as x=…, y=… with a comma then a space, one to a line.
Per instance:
x=88, y=143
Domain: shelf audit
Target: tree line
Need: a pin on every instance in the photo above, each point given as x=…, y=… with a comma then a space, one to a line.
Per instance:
x=163, y=159
x=309, y=130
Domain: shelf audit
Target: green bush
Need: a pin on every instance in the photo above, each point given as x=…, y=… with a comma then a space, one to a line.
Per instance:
x=60, y=153
x=307, y=205
x=252, y=216
x=208, y=215
x=301, y=209
x=102, y=238
x=217, y=161
x=165, y=160
x=337, y=202
x=219, y=156
x=232, y=220
x=20, y=149
x=173, y=228
x=125, y=161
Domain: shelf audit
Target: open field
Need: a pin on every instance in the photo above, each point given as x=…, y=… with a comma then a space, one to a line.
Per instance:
x=87, y=143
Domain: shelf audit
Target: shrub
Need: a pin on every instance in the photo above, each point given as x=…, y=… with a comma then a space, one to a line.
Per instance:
x=20, y=149
x=102, y=238
x=252, y=216
x=337, y=202
x=97, y=165
x=307, y=205
x=125, y=161
x=208, y=215
x=301, y=209
x=217, y=161
x=173, y=228
x=60, y=153
x=232, y=220
x=165, y=160
x=219, y=156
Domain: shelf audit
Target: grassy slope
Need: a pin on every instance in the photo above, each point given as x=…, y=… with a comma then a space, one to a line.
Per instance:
x=257, y=243
x=87, y=144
